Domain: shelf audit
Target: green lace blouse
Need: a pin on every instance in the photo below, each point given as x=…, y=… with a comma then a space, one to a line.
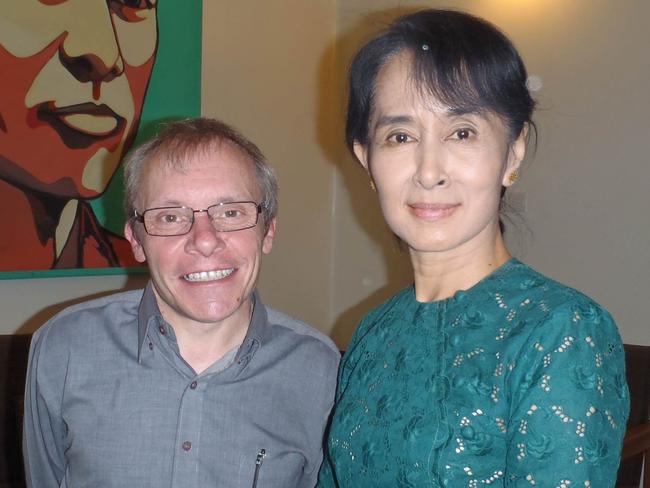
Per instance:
x=517, y=382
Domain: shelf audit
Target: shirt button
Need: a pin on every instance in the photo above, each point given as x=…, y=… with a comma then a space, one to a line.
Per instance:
x=151, y=346
x=162, y=330
x=187, y=445
x=193, y=385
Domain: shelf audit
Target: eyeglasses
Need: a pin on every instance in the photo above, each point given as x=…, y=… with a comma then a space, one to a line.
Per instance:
x=176, y=221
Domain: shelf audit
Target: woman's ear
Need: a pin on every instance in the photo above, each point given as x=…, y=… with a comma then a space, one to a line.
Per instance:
x=516, y=154
x=361, y=152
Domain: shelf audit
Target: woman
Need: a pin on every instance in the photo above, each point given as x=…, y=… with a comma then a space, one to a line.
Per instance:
x=484, y=373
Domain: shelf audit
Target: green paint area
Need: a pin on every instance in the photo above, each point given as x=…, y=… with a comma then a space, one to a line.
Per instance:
x=174, y=91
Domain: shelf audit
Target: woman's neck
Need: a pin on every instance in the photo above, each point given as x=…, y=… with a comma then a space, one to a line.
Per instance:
x=438, y=275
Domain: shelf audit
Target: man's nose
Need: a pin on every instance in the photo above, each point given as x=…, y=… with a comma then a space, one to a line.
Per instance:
x=203, y=237
x=90, y=49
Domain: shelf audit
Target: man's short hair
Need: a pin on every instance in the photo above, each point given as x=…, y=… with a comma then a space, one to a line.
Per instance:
x=183, y=139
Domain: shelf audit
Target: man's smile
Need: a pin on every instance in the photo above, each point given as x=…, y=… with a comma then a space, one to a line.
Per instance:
x=209, y=275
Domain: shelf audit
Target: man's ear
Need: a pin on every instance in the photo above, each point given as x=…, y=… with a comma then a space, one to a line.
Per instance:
x=361, y=152
x=269, y=237
x=516, y=154
x=136, y=246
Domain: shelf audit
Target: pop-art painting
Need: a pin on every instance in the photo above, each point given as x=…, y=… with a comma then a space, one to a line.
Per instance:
x=81, y=81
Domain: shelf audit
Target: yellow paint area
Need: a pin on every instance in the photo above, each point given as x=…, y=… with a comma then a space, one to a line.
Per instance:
x=100, y=167
x=91, y=124
x=63, y=229
x=28, y=26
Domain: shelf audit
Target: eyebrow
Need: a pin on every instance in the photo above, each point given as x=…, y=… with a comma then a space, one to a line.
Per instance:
x=386, y=120
x=393, y=119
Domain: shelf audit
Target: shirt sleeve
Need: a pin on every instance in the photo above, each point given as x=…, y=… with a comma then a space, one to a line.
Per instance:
x=44, y=429
x=328, y=380
x=570, y=402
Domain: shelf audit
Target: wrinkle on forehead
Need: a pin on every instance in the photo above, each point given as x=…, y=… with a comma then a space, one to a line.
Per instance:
x=180, y=156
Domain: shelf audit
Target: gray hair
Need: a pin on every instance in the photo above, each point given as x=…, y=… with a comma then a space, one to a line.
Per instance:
x=182, y=139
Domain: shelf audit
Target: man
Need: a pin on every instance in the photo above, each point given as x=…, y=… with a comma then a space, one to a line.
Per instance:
x=74, y=77
x=193, y=382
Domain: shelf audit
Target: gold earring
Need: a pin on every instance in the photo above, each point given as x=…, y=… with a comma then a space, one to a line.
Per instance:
x=372, y=185
x=513, y=177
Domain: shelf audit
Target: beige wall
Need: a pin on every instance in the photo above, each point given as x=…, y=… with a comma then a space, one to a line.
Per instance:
x=585, y=190
x=267, y=69
x=275, y=69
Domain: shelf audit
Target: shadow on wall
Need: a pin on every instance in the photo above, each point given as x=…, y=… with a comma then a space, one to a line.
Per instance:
x=39, y=318
x=352, y=182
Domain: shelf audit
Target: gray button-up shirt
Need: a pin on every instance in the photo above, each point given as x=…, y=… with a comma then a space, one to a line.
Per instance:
x=111, y=403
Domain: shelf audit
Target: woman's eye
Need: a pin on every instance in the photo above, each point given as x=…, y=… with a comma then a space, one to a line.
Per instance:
x=399, y=138
x=462, y=134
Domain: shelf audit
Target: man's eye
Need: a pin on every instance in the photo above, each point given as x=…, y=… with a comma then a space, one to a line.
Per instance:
x=231, y=214
x=169, y=218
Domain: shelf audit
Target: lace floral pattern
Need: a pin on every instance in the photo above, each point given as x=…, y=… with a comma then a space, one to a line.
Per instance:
x=517, y=382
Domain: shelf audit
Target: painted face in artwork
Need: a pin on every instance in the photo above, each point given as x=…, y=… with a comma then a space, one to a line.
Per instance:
x=74, y=75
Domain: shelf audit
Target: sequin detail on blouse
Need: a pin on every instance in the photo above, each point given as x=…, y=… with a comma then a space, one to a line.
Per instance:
x=517, y=382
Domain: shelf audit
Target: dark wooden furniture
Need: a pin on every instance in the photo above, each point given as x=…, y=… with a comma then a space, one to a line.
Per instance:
x=14, y=350
x=636, y=445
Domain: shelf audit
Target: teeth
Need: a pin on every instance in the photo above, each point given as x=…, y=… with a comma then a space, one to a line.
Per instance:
x=209, y=275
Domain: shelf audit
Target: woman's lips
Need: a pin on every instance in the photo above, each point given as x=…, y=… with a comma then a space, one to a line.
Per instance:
x=433, y=211
x=83, y=124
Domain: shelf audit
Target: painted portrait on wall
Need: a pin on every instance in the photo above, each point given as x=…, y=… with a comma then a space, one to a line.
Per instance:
x=75, y=76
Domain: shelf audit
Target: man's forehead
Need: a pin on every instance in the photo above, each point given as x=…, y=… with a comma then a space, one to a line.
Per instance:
x=223, y=172
x=185, y=159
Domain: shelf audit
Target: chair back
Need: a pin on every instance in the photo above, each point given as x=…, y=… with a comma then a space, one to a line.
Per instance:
x=637, y=366
x=14, y=350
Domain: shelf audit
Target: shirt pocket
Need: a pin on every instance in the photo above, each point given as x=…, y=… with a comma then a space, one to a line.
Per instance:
x=267, y=469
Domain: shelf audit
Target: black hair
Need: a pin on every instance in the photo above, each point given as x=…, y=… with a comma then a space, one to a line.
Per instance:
x=463, y=61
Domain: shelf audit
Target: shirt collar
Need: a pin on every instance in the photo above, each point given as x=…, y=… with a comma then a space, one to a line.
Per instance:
x=255, y=335
x=149, y=312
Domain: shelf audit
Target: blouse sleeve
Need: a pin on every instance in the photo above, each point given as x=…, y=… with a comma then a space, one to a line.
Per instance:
x=570, y=402
x=327, y=474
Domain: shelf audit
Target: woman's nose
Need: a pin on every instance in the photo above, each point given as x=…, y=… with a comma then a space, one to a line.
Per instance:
x=430, y=169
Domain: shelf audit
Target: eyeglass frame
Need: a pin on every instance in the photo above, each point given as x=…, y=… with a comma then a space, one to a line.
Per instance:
x=139, y=217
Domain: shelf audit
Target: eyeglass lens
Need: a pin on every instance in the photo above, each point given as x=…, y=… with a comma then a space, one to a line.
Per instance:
x=225, y=217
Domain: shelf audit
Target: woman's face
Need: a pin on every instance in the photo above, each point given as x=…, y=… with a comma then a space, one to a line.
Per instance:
x=438, y=174
x=75, y=74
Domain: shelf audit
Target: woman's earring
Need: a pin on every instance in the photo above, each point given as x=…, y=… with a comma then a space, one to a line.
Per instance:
x=513, y=177
x=372, y=185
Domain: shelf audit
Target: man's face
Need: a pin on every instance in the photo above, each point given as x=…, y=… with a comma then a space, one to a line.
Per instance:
x=74, y=75
x=205, y=276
